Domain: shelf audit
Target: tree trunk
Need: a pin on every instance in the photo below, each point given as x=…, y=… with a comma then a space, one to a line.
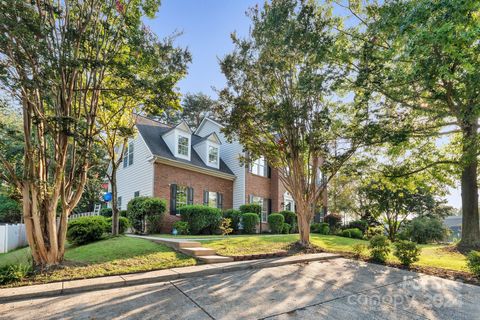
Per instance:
x=304, y=217
x=470, y=219
x=115, y=213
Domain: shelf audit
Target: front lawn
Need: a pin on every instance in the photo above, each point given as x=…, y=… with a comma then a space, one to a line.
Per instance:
x=112, y=256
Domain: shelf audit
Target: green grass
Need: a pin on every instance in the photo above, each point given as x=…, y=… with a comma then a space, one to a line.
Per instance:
x=246, y=245
x=112, y=256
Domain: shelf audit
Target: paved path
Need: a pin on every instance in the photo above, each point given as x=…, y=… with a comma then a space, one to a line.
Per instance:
x=334, y=289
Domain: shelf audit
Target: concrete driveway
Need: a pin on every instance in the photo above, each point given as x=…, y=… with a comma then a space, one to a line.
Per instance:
x=335, y=289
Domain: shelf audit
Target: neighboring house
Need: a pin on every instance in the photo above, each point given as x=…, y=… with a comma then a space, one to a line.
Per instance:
x=201, y=167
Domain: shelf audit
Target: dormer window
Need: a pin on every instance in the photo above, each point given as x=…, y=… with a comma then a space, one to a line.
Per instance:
x=183, y=146
x=213, y=155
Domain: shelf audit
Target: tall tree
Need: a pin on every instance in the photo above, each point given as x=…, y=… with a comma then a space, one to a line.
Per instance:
x=422, y=56
x=149, y=88
x=281, y=100
x=54, y=59
x=196, y=106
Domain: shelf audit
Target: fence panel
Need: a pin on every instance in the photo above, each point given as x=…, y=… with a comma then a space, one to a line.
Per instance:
x=12, y=236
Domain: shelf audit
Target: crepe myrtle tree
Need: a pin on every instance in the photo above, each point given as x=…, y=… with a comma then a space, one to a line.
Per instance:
x=281, y=102
x=54, y=59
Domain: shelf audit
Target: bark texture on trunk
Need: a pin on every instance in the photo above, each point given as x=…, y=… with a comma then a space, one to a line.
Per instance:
x=470, y=218
x=115, y=214
x=304, y=217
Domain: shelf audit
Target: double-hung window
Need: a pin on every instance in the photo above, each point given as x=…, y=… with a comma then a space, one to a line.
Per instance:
x=259, y=167
x=128, y=155
x=263, y=203
x=183, y=146
x=213, y=155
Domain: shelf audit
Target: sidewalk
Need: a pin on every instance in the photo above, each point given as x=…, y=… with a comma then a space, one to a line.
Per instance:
x=110, y=282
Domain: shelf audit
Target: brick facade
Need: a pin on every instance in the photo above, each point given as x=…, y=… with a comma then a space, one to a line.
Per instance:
x=165, y=175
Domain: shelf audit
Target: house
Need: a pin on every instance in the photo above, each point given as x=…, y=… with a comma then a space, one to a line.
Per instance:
x=201, y=167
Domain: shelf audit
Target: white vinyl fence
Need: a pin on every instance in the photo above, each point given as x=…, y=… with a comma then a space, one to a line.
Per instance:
x=83, y=214
x=12, y=236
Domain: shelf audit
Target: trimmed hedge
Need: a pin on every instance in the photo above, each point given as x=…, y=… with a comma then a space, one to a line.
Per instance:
x=286, y=228
x=123, y=225
x=150, y=209
x=352, y=233
x=250, y=221
x=290, y=217
x=181, y=227
x=334, y=220
x=362, y=225
x=251, y=207
x=84, y=230
x=276, y=221
x=201, y=219
x=235, y=216
x=473, y=262
x=321, y=228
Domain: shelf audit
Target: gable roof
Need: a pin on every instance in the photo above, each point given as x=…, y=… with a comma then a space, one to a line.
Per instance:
x=152, y=132
x=207, y=119
x=212, y=137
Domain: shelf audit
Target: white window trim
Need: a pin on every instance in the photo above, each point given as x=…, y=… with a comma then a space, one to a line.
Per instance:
x=217, y=163
x=260, y=163
x=177, y=137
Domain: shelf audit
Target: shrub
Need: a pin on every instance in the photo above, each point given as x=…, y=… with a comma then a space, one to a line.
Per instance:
x=86, y=229
x=225, y=226
x=374, y=231
x=352, y=233
x=290, y=218
x=250, y=221
x=473, y=262
x=235, y=216
x=425, y=230
x=181, y=227
x=359, y=249
x=286, y=228
x=334, y=220
x=106, y=212
x=359, y=224
x=123, y=213
x=14, y=273
x=10, y=210
x=201, y=219
x=406, y=251
x=123, y=225
x=251, y=207
x=379, y=248
x=321, y=228
x=276, y=221
x=141, y=209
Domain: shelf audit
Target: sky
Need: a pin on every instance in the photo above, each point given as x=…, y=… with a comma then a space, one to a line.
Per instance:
x=206, y=26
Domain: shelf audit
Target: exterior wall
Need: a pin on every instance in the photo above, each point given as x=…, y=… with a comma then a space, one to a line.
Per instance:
x=230, y=153
x=277, y=191
x=166, y=175
x=12, y=236
x=258, y=186
x=138, y=176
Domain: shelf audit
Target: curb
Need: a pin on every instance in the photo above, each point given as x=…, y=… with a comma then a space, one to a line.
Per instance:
x=111, y=282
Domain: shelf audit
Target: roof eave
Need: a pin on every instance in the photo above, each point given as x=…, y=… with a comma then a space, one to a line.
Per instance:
x=191, y=167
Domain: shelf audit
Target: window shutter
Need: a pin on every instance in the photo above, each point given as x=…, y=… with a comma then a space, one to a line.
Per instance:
x=173, y=198
x=205, y=198
x=219, y=200
x=190, y=196
x=250, y=198
x=269, y=204
x=269, y=171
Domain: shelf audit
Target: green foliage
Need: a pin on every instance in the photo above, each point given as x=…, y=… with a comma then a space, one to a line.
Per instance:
x=359, y=224
x=123, y=213
x=225, y=226
x=379, y=248
x=151, y=209
x=10, y=210
x=181, y=227
x=250, y=221
x=406, y=251
x=201, y=219
x=426, y=230
x=84, y=230
x=321, y=228
x=123, y=225
x=251, y=207
x=14, y=273
x=334, y=220
x=290, y=217
x=359, y=249
x=106, y=212
x=235, y=216
x=352, y=233
x=286, y=229
x=374, y=231
x=276, y=221
x=473, y=262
